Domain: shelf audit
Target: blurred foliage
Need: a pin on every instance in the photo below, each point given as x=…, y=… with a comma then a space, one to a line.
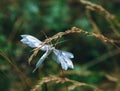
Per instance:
x=93, y=58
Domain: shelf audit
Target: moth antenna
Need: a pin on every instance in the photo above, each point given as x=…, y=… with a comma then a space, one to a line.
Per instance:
x=46, y=36
x=59, y=42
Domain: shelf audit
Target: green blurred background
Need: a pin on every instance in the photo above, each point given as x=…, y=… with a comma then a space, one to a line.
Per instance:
x=96, y=63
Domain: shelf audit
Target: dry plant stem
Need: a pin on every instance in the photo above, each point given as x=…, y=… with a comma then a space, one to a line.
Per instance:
x=73, y=30
x=97, y=8
x=24, y=79
x=108, y=16
x=94, y=25
x=113, y=27
x=114, y=61
x=63, y=76
x=58, y=35
x=61, y=80
x=101, y=58
x=97, y=30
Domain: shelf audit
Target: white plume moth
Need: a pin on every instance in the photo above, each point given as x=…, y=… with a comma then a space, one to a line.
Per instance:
x=61, y=57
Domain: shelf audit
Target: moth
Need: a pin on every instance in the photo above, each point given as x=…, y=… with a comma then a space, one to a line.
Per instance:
x=60, y=56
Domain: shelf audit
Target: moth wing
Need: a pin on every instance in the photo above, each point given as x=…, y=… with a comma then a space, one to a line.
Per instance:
x=68, y=54
x=63, y=63
x=42, y=59
x=69, y=62
x=30, y=41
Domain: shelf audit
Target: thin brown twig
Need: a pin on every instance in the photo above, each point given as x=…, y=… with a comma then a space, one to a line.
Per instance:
x=23, y=78
x=61, y=80
x=101, y=58
x=73, y=30
x=96, y=7
x=92, y=22
x=58, y=35
x=63, y=76
x=108, y=16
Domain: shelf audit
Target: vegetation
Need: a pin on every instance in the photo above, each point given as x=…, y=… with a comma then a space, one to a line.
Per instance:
x=87, y=28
